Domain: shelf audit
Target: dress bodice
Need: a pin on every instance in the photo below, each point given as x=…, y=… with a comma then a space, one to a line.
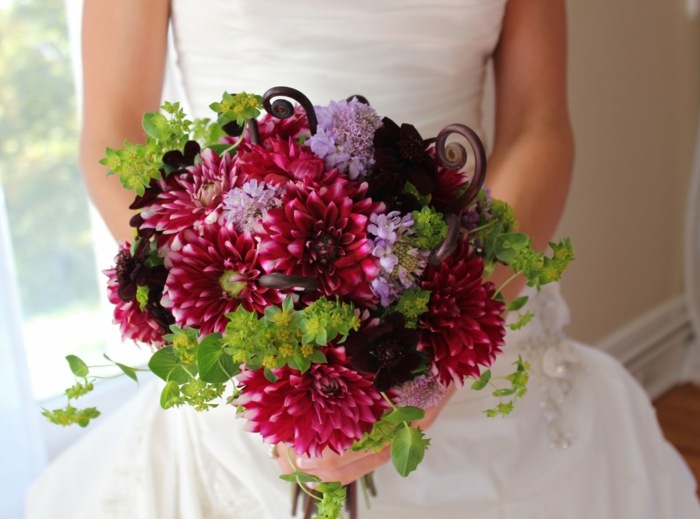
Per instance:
x=417, y=61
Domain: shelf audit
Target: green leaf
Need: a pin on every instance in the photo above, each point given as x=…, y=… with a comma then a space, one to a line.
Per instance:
x=405, y=414
x=507, y=245
x=165, y=364
x=156, y=125
x=270, y=375
x=77, y=366
x=408, y=449
x=219, y=149
x=300, y=477
x=503, y=392
x=523, y=319
x=170, y=396
x=215, y=365
x=303, y=364
x=517, y=304
x=483, y=380
x=127, y=370
x=317, y=357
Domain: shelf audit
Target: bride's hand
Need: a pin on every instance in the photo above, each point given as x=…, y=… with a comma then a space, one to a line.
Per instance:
x=351, y=465
x=345, y=468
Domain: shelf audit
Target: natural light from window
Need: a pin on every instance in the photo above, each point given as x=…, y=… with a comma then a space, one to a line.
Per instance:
x=59, y=247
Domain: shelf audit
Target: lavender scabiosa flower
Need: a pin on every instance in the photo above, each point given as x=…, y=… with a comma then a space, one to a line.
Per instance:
x=246, y=206
x=345, y=136
x=423, y=391
x=401, y=263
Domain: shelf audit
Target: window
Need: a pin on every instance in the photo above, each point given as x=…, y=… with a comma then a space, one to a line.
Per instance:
x=59, y=245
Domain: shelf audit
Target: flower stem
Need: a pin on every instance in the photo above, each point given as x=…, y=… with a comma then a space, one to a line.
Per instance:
x=504, y=284
x=238, y=142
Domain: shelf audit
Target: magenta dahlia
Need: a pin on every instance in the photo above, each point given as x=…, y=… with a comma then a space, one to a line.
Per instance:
x=328, y=406
x=284, y=160
x=464, y=327
x=212, y=274
x=295, y=127
x=323, y=234
x=193, y=198
x=450, y=184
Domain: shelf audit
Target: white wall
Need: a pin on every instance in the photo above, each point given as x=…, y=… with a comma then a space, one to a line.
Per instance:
x=634, y=96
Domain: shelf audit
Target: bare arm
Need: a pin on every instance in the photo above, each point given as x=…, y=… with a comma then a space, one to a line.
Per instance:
x=124, y=45
x=533, y=150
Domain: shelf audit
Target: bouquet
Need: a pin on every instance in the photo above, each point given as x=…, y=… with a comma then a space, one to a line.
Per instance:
x=322, y=269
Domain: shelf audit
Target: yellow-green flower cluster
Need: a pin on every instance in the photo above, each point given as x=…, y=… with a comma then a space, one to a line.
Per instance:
x=285, y=336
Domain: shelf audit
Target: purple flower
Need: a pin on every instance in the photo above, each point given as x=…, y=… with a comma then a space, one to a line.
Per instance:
x=345, y=135
x=246, y=206
x=423, y=391
x=401, y=263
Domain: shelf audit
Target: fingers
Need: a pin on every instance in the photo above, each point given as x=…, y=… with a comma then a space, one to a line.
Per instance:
x=345, y=468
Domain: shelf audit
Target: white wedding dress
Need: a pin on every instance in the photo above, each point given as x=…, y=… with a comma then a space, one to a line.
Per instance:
x=583, y=444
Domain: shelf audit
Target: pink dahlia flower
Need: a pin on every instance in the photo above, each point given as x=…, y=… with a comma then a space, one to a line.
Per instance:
x=211, y=275
x=449, y=185
x=282, y=161
x=322, y=234
x=463, y=328
x=136, y=321
x=194, y=198
x=329, y=406
x=295, y=127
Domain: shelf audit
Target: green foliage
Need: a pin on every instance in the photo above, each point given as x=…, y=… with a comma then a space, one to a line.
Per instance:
x=285, y=336
x=381, y=435
x=195, y=371
x=407, y=449
x=430, y=228
x=522, y=321
x=412, y=304
x=515, y=250
x=516, y=388
x=71, y=415
x=237, y=107
x=206, y=132
x=408, y=443
x=215, y=365
x=332, y=501
x=138, y=164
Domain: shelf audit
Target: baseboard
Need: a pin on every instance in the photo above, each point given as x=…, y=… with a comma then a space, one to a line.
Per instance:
x=655, y=347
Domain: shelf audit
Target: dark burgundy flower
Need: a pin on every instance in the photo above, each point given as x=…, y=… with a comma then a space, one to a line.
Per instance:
x=177, y=159
x=135, y=287
x=389, y=350
x=401, y=156
x=448, y=186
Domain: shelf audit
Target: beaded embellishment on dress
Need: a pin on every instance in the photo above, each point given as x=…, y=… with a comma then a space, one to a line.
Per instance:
x=554, y=364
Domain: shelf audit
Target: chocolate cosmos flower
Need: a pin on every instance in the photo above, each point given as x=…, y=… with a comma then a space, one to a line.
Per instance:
x=389, y=350
x=401, y=156
x=140, y=316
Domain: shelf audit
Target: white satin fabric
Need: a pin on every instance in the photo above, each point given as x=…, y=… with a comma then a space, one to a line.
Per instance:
x=584, y=443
